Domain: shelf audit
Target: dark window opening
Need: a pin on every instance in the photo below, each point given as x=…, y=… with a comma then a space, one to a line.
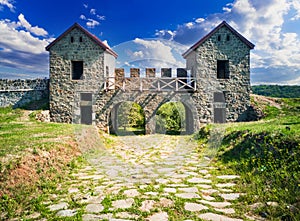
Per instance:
x=77, y=70
x=72, y=39
x=219, y=37
x=223, y=69
x=80, y=39
x=228, y=37
x=107, y=71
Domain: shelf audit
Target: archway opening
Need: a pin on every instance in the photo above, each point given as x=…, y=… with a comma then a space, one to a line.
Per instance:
x=127, y=118
x=172, y=118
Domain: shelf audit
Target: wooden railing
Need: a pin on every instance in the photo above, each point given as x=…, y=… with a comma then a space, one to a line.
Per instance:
x=152, y=84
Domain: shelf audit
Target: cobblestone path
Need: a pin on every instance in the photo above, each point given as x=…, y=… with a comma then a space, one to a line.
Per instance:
x=153, y=177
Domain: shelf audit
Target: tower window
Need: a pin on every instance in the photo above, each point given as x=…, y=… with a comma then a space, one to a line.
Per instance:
x=80, y=39
x=72, y=39
x=223, y=69
x=77, y=70
x=219, y=37
x=228, y=38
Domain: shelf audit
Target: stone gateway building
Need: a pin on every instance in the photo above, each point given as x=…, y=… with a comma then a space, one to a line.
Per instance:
x=85, y=86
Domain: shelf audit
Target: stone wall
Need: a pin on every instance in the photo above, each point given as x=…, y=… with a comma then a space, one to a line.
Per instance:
x=236, y=89
x=65, y=92
x=18, y=93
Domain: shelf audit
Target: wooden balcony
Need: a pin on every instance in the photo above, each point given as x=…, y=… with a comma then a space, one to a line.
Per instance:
x=155, y=84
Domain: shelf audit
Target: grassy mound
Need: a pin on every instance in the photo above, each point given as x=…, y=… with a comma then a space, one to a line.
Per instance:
x=266, y=154
x=34, y=157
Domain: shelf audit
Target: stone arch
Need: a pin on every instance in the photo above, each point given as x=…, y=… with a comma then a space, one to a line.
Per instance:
x=191, y=116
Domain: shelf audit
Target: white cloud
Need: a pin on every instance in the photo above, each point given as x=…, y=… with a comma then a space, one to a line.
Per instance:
x=7, y=3
x=93, y=11
x=155, y=49
x=296, y=5
x=189, y=25
x=101, y=17
x=82, y=17
x=138, y=54
x=106, y=43
x=34, y=30
x=199, y=20
x=20, y=49
x=263, y=23
x=94, y=19
x=91, y=23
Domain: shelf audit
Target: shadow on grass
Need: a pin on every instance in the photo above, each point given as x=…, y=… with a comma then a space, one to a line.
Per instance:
x=130, y=132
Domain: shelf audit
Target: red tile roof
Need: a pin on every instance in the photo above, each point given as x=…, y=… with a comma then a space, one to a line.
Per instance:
x=224, y=23
x=91, y=36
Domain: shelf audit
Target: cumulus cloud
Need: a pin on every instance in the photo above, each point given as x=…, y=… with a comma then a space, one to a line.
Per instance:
x=150, y=53
x=20, y=48
x=262, y=22
x=156, y=49
x=7, y=3
x=296, y=5
x=34, y=30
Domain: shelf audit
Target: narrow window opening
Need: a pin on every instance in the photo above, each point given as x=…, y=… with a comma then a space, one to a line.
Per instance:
x=106, y=71
x=223, y=69
x=80, y=39
x=228, y=37
x=77, y=70
x=219, y=37
x=72, y=39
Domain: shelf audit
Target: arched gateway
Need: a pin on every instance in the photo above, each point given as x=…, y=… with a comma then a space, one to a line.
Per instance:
x=85, y=86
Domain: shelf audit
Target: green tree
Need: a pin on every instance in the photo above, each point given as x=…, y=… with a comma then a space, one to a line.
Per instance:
x=170, y=118
x=130, y=114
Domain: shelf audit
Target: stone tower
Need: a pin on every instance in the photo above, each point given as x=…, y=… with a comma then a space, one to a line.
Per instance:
x=220, y=62
x=79, y=66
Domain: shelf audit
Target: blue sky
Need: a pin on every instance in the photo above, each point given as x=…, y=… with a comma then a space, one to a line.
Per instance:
x=26, y=27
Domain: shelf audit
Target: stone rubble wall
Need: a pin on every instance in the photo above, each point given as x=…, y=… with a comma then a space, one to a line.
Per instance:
x=18, y=93
x=65, y=92
x=236, y=89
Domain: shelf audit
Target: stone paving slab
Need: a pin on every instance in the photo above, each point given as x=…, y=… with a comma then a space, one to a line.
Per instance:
x=194, y=207
x=155, y=173
x=216, y=217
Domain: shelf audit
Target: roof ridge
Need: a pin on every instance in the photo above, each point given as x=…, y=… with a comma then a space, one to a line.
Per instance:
x=92, y=36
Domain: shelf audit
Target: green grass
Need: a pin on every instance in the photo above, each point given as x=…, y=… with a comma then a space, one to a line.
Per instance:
x=26, y=176
x=16, y=135
x=266, y=154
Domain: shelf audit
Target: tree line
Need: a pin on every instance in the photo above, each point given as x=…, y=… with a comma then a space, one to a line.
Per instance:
x=280, y=91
